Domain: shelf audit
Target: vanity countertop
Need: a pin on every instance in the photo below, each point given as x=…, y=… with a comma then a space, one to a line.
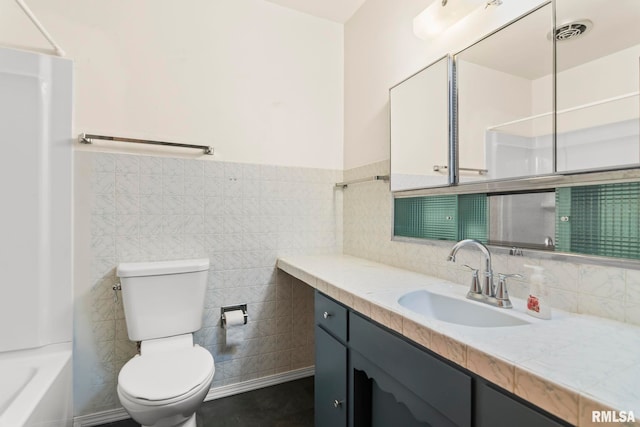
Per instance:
x=569, y=365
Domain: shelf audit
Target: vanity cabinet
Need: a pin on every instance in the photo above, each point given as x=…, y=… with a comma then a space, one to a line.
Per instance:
x=331, y=362
x=369, y=376
x=404, y=381
x=497, y=409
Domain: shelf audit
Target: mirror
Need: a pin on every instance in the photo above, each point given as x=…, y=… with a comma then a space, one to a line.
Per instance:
x=598, y=50
x=526, y=220
x=504, y=86
x=419, y=110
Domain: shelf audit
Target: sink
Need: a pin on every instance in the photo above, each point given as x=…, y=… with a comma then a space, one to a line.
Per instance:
x=458, y=311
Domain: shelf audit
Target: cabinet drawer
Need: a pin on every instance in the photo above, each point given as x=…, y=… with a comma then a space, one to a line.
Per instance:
x=331, y=316
x=442, y=387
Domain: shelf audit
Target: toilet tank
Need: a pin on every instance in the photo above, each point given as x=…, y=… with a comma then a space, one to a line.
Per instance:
x=163, y=298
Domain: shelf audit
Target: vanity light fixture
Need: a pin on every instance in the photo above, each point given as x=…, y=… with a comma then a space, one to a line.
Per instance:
x=441, y=14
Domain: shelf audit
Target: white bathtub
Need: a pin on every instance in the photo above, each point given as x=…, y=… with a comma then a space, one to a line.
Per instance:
x=36, y=387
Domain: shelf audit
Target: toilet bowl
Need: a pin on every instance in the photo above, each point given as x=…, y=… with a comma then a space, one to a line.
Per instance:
x=164, y=385
x=165, y=389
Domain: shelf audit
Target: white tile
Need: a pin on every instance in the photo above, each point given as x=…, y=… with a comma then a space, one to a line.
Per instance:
x=606, y=282
x=127, y=184
x=172, y=167
x=214, y=169
x=601, y=307
x=102, y=225
x=194, y=168
x=127, y=204
x=103, y=183
x=127, y=225
x=194, y=185
x=150, y=184
x=172, y=205
x=150, y=165
x=102, y=162
x=126, y=164
x=632, y=294
x=173, y=185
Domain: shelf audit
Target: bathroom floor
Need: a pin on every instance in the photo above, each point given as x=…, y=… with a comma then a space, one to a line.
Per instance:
x=284, y=405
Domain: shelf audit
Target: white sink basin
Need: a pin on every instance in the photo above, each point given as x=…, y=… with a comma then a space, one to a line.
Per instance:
x=458, y=311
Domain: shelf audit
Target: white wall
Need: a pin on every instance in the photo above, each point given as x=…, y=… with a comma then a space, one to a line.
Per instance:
x=381, y=50
x=261, y=83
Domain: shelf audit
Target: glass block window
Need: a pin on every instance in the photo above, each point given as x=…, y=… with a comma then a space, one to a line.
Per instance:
x=432, y=217
x=473, y=217
x=599, y=220
x=448, y=217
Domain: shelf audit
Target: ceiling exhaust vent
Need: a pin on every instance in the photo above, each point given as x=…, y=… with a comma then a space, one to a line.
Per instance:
x=572, y=30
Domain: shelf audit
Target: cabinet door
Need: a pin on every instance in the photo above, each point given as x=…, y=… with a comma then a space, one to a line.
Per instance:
x=597, y=88
x=330, y=381
x=419, y=113
x=496, y=409
x=436, y=393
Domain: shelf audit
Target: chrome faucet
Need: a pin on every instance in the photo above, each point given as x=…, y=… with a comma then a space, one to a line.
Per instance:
x=488, y=294
x=487, y=280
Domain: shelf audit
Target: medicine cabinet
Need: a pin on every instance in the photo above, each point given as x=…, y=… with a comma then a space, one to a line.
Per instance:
x=503, y=86
x=420, y=140
x=597, y=51
x=548, y=105
x=508, y=108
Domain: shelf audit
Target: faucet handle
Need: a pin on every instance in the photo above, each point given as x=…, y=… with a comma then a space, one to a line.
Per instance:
x=475, y=282
x=502, y=295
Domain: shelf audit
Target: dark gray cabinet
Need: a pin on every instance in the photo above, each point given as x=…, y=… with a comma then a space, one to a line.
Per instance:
x=435, y=393
x=369, y=376
x=331, y=362
x=496, y=409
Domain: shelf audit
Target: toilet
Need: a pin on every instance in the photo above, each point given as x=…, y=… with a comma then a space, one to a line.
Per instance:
x=164, y=385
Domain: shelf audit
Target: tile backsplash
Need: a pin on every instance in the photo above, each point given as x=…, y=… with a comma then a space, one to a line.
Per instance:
x=601, y=291
x=240, y=216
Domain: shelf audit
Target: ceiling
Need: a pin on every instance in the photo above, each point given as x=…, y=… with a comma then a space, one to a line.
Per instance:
x=334, y=10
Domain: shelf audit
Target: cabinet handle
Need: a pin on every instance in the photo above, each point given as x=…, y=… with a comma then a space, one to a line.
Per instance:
x=337, y=403
x=326, y=314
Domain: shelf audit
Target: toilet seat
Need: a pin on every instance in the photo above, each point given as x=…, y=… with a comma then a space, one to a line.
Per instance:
x=163, y=378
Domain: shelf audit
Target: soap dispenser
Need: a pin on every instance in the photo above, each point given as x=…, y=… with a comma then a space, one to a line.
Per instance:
x=537, y=302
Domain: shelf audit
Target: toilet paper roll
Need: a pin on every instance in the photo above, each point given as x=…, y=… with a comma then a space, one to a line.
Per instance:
x=234, y=327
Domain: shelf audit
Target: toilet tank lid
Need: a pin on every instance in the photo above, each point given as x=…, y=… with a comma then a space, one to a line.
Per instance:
x=135, y=269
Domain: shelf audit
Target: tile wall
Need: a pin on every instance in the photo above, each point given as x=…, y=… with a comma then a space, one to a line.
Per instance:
x=240, y=216
x=608, y=292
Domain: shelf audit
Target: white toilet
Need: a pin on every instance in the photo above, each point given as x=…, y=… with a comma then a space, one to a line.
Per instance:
x=163, y=306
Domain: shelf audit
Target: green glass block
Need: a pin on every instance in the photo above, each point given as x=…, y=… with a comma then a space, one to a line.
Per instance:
x=473, y=212
x=563, y=228
x=599, y=219
x=427, y=217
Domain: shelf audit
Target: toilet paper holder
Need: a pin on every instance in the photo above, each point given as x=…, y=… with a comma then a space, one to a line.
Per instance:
x=223, y=310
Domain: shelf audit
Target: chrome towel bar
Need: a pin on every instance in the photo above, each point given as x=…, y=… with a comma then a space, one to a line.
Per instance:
x=357, y=181
x=85, y=138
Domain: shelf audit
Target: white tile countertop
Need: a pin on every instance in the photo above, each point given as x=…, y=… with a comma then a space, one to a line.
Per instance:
x=569, y=365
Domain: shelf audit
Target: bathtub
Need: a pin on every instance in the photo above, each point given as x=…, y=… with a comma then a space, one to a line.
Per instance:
x=36, y=387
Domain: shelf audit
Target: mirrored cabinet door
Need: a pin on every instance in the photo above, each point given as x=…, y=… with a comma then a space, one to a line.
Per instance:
x=504, y=86
x=419, y=110
x=598, y=51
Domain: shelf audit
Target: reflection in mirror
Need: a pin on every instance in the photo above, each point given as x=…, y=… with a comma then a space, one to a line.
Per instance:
x=504, y=86
x=597, y=48
x=522, y=220
x=419, y=108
